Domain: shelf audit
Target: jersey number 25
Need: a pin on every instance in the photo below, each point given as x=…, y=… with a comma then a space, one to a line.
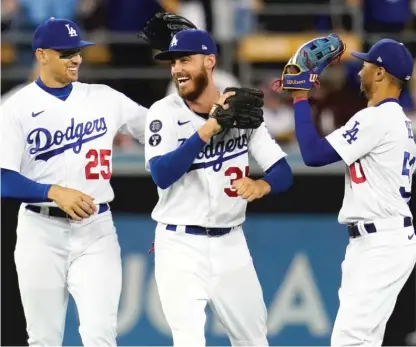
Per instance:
x=98, y=165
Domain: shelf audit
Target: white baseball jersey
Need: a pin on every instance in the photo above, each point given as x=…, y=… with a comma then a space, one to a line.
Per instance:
x=204, y=195
x=68, y=143
x=378, y=147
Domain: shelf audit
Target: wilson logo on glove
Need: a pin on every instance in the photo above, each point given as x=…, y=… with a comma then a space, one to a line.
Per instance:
x=303, y=68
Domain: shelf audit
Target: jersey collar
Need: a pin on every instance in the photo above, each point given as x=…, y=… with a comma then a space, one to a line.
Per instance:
x=387, y=100
x=60, y=93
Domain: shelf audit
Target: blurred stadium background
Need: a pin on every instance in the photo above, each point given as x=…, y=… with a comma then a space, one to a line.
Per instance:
x=296, y=242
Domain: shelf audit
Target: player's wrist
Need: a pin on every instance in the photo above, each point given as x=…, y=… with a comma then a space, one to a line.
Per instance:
x=209, y=129
x=299, y=95
x=53, y=192
x=265, y=186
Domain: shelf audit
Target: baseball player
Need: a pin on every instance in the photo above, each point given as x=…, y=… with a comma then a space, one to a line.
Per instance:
x=378, y=148
x=56, y=150
x=197, y=143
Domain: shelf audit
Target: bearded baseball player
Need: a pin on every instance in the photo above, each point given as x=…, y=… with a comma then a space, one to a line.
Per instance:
x=197, y=146
x=56, y=150
x=378, y=148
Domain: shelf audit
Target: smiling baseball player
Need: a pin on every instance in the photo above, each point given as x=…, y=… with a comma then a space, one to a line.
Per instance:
x=378, y=147
x=197, y=146
x=56, y=150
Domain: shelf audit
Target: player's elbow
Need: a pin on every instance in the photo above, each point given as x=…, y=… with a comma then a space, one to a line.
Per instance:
x=288, y=182
x=286, y=178
x=160, y=180
x=159, y=173
x=311, y=161
x=161, y=183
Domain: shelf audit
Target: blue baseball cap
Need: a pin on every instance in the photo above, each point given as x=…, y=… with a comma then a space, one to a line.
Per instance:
x=58, y=34
x=393, y=56
x=189, y=42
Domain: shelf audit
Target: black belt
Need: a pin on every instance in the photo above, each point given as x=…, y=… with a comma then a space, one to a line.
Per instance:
x=354, y=232
x=197, y=230
x=57, y=212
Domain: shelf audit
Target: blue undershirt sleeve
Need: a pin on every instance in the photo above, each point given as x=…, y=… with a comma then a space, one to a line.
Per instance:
x=315, y=151
x=168, y=168
x=16, y=186
x=279, y=176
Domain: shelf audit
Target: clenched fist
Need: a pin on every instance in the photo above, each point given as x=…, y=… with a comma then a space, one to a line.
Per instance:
x=250, y=189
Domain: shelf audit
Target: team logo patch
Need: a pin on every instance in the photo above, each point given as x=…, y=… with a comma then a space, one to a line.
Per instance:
x=154, y=140
x=155, y=126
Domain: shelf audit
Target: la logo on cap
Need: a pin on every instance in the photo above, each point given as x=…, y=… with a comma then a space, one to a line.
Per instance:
x=71, y=31
x=174, y=41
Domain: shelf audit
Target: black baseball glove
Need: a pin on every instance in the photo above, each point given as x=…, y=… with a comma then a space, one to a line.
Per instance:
x=245, y=109
x=160, y=29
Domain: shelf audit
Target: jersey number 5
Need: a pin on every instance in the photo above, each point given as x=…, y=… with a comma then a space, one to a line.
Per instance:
x=236, y=174
x=100, y=158
x=407, y=170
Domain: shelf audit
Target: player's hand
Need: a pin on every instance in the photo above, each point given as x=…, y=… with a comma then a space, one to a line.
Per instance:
x=250, y=189
x=73, y=202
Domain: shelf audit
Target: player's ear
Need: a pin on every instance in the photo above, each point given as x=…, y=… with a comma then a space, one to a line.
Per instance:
x=380, y=74
x=210, y=61
x=41, y=56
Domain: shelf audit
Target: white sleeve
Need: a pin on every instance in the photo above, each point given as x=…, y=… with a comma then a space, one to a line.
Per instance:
x=133, y=118
x=161, y=135
x=264, y=148
x=362, y=133
x=12, y=139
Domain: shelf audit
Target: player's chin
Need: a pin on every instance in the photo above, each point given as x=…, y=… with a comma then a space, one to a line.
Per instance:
x=72, y=76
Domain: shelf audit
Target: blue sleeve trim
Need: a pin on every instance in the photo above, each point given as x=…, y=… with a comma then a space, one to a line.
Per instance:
x=16, y=186
x=170, y=167
x=315, y=151
x=279, y=176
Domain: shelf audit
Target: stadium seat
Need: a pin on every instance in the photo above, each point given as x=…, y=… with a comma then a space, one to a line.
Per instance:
x=98, y=54
x=268, y=48
x=8, y=53
x=257, y=49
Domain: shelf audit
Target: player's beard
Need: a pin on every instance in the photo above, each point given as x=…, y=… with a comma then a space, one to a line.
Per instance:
x=200, y=82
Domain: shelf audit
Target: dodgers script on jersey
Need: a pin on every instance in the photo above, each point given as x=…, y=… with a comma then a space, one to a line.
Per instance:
x=378, y=147
x=204, y=195
x=68, y=143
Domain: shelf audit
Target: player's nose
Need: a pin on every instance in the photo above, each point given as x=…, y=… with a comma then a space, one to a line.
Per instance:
x=76, y=59
x=176, y=67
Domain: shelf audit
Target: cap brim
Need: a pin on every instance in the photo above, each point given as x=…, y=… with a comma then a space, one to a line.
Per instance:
x=83, y=43
x=360, y=55
x=169, y=55
x=80, y=44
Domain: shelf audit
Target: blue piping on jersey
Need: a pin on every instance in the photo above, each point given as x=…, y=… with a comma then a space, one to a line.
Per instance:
x=60, y=93
x=279, y=176
x=315, y=151
x=16, y=186
x=388, y=100
x=217, y=163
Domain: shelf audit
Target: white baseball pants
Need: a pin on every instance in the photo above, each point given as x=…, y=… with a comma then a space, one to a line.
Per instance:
x=195, y=270
x=56, y=257
x=374, y=271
